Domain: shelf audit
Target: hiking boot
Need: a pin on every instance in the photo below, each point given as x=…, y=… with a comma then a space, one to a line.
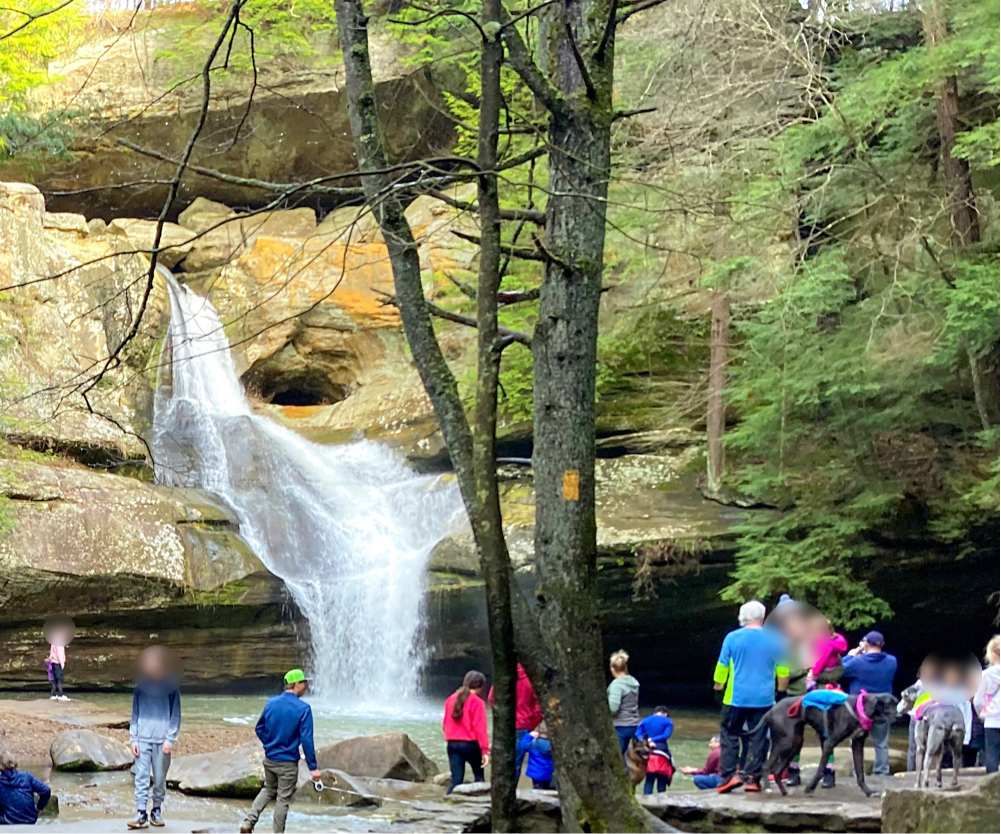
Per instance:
x=752, y=786
x=828, y=778
x=733, y=783
x=156, y=817
x=246, y=829
x=794, y=780
x=140, y=821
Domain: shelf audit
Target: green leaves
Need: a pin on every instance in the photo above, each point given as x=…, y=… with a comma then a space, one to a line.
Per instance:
x=855, y=381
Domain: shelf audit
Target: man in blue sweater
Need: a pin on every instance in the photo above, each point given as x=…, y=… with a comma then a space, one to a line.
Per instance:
x=17, y=793
x=870, y=668
x=284, y=726
x=153, y=729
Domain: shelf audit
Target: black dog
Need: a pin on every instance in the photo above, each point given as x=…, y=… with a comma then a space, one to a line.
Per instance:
x=833, y=726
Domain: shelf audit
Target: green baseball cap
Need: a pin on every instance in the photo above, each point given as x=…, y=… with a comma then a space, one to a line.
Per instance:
x=295, y=676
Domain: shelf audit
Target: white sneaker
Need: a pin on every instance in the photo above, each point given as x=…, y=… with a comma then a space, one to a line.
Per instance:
x=53, y=698
x=62, y=698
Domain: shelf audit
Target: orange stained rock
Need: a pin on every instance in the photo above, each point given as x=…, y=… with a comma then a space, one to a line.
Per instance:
x=356, y=278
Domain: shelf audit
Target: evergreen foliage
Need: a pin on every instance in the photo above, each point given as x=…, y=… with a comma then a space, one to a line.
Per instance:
x=858, y=414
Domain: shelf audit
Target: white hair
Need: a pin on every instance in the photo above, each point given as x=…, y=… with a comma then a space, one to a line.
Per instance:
x=751, y=612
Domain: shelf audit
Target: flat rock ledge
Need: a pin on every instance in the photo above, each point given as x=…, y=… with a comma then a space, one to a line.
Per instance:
x=73, y=713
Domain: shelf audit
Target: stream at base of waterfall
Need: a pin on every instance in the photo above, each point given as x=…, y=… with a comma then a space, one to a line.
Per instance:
x=348, y=528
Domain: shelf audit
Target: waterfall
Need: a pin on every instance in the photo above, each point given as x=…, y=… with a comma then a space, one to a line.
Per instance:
x=348, y=528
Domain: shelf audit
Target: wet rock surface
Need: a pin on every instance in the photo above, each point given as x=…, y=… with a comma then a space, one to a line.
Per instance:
x=976, y=806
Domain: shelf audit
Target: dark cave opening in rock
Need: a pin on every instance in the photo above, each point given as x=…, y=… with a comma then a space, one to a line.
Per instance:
x=311, y=387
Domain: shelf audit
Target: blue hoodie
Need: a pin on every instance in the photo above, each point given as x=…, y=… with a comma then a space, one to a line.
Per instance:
x=540, y=758
x=872, y=672
x=17, y=797
x=156, y=712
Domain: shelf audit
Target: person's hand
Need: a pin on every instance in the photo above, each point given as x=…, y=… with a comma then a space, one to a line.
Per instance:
x=688, y=771
x=534, y=734
x=135, y=750
x=314, y=775
x=167, y=747
x=854, y=652
x=486, y=760
x=809, y=675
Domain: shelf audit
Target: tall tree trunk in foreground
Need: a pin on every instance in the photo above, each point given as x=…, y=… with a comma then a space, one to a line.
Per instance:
x=494, y=556
x=716, y=410
x=472, y=452
x=574, y=83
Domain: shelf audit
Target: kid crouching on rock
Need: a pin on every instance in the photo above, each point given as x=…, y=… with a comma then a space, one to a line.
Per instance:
x=17, y=793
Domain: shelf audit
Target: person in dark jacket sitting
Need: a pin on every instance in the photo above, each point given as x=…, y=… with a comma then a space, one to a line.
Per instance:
x=285, y=724
x=540, y=757
x=17, y=793
x=870, y=668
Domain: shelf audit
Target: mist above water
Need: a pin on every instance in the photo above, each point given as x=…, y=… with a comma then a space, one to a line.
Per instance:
x=348, y=528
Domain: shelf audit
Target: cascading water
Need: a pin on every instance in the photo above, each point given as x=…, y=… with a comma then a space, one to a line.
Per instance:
x=348, y=528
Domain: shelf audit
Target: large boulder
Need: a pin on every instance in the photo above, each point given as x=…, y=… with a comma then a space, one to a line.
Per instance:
x=386, y=756
x=175, y=242
x=339, y=790
x=238, y=772
x=86, y=750
x=234, y=772
x=977, y=807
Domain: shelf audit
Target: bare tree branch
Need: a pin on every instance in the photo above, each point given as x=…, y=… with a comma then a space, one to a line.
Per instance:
x=531, y=215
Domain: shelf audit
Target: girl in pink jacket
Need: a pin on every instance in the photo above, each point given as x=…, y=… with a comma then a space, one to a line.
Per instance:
x=827, y=651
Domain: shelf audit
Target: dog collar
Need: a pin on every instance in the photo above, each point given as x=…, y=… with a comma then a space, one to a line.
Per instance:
x=864, y=721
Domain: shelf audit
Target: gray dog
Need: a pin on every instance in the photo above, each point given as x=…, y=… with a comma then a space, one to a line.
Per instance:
x=941, y=728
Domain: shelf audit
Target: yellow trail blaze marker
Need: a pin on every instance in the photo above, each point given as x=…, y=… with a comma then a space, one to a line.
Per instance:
x=571, y=485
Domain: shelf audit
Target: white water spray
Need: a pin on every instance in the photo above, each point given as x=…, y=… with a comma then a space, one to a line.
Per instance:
x=348, y=528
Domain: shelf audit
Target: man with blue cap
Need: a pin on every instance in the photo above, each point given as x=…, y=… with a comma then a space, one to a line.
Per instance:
x=284, y=726
x=870, y=668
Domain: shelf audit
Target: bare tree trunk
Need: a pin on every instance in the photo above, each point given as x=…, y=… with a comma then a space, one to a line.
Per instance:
x=955, y=172
x=472, y=452
x=959, y=183
x=716, y=412
x=575, y=84
x=494, y=557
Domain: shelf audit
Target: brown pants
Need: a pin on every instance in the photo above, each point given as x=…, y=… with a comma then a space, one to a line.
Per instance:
x=280, y=780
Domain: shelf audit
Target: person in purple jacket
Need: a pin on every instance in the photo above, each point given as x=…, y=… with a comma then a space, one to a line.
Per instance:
x=870, y=668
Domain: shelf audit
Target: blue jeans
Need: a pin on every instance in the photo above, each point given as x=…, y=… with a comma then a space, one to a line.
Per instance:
x=649, y=782
x=707, y=781
x=880, y=737
x=624, y=734
x=151, y=759
x=992, y=748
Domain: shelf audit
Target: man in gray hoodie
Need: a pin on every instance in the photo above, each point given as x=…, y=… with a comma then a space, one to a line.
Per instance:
x=623, y=699
x=153, y=730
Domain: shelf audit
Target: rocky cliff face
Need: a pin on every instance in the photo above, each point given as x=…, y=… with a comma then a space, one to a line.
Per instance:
x=124, y=83
x=134, y=564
